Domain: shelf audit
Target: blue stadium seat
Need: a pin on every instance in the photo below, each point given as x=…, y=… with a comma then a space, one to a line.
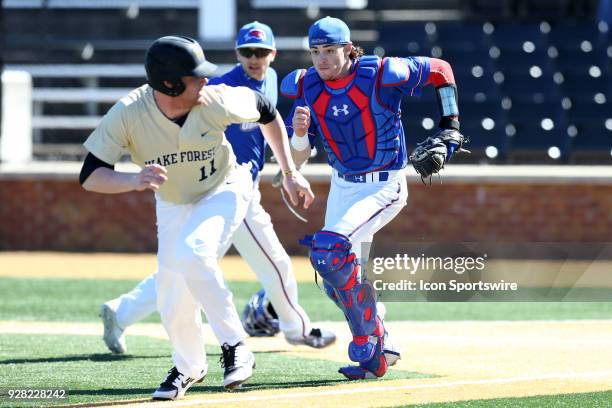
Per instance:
x=588, y=111
x=591, y=140
x=511, y=60
x=536, y=127
x=404, y=39
x=584, y=87
x=589, y=131
x=576, y=61
x=463, y=62
x=477, y=89
x=523, y=87
x=513, y=35
x=570, y=36
x=460, y=37
x=484, y=124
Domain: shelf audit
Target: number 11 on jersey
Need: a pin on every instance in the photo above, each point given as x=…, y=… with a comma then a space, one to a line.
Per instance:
x=203, y=175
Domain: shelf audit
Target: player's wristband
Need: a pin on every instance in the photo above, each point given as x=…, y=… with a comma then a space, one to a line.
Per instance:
x=288, y=172
x=300, y=143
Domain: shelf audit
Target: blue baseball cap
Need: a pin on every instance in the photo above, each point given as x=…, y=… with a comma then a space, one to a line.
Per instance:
x=255, y=35
x=328, y=30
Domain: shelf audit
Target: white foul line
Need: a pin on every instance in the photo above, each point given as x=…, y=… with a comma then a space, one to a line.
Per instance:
x=366, y=389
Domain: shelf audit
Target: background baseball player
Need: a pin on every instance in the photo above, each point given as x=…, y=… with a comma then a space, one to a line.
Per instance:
x=255, y=238
x=173, y=128
x=352, y=102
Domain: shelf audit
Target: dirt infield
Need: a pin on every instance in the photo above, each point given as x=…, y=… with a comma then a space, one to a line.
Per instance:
x=467, y=360
x=115, y=266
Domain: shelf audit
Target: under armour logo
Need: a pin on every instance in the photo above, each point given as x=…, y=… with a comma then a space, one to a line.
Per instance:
x=344, y=109
x=320, y=261
x=360, y=178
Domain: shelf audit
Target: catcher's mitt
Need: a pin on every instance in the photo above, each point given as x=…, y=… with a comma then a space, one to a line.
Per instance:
x=431, y=154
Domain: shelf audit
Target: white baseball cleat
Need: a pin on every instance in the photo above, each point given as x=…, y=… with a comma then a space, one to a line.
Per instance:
x=113, y=333
x=176, y=385
x=391, y=351
x=238, y=362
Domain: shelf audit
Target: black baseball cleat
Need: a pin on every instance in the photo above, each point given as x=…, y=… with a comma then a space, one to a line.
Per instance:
x=238, y=362
x=317, y=338
x=176, y=385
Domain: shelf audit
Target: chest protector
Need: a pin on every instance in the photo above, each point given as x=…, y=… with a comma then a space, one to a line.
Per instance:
x=360, y=135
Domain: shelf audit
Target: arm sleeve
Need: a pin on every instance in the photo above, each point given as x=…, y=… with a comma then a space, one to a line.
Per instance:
x=90, y=164
x=442, y=78
x=440, y=73
x=267, y=111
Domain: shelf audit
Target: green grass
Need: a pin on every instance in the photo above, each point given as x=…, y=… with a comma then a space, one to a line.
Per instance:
x=82, y=365
x=79, y=300
x=582, y=400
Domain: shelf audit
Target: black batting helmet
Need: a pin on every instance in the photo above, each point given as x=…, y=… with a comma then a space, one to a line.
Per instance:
x=172, y=57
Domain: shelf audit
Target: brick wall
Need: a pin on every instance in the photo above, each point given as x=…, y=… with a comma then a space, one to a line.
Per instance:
x=56, y=214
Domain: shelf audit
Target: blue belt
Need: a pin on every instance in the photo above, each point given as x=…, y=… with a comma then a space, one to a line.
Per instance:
x=373, y=177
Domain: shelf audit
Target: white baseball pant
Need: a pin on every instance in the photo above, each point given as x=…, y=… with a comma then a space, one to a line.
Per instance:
x=191, y=239
x=359, y=210
x=258, y=244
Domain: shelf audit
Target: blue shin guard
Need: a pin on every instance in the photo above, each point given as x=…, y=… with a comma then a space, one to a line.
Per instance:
x=331, y=256
x=375, y=367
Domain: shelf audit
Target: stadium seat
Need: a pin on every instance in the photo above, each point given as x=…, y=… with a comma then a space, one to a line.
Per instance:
x=511, y=60
x=585, y=87
x=576, y=61
x=463, y=64
x=535, y=128
x=460, y=37
x=477, y=89
x=514, y=36
x=524, y=87
x=582, y=36
x=484, y=124
x=404, y=39
x=591, y=140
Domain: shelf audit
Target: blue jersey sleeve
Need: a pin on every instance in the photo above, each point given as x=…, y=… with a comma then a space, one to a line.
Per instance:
x=405, y=75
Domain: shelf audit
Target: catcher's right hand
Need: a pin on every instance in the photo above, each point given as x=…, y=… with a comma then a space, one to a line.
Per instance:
x=430, y=155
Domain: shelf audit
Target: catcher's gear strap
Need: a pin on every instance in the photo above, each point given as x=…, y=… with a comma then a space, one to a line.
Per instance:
x=267, y=111
x=90, y=164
